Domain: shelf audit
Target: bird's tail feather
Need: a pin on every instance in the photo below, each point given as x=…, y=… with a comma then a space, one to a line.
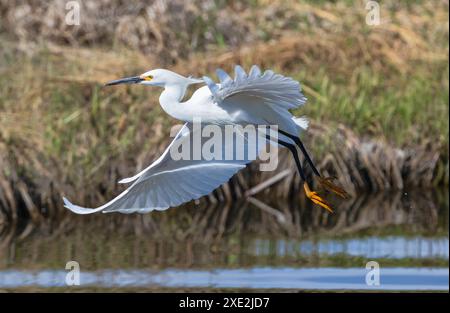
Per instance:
x=302, y=122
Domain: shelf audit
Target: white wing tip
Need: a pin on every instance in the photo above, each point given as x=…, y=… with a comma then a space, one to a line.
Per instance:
x=67, y=203
x=126, y=180
x=78, y=209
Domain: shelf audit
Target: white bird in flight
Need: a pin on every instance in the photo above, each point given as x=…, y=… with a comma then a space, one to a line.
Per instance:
x=255, y=98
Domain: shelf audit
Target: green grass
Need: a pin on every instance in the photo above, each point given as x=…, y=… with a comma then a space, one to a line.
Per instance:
x=405, y=110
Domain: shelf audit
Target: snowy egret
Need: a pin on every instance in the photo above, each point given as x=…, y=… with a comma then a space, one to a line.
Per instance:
x=255, y=98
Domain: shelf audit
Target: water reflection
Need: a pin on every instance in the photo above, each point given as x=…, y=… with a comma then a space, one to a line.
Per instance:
x=372, y=247
x=255, y=278
x=208, y=241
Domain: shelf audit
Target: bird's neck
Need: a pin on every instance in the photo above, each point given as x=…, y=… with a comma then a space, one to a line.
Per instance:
x=170, y=100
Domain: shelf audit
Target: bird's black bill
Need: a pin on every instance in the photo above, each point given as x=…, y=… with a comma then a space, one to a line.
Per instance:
x=128, y=80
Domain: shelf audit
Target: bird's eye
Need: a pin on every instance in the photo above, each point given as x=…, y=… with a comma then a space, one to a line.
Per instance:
x=149, y=77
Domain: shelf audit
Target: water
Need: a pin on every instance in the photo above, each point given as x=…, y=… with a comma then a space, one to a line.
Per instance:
x=238, y=247
x=254, y=278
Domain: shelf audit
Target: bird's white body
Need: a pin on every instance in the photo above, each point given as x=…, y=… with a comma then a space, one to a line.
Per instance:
x=200, y=105
x=254, y=98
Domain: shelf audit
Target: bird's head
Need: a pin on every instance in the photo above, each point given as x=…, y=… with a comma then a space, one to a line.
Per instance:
x=158, y=77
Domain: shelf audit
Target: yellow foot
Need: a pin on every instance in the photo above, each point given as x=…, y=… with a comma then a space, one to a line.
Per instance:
x=327, y=184
x=314, y=197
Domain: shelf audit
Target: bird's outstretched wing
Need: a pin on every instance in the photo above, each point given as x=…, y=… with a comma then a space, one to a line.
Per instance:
x=260, y=98
x=169, y=182
x=268, y=87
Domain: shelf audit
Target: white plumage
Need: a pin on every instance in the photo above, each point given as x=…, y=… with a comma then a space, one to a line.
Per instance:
x=254, y=98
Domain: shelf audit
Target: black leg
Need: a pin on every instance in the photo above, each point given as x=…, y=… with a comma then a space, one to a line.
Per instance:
x=325, y=182
x=312, y=195
x=293, y=150
x=303, y=149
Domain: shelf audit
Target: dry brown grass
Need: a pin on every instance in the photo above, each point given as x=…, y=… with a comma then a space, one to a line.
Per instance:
x=175, y=30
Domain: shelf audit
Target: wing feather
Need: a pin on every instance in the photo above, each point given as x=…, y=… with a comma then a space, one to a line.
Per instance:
x=168, y=182
x=271, y=88
x=259, y=97
x=224, y=78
